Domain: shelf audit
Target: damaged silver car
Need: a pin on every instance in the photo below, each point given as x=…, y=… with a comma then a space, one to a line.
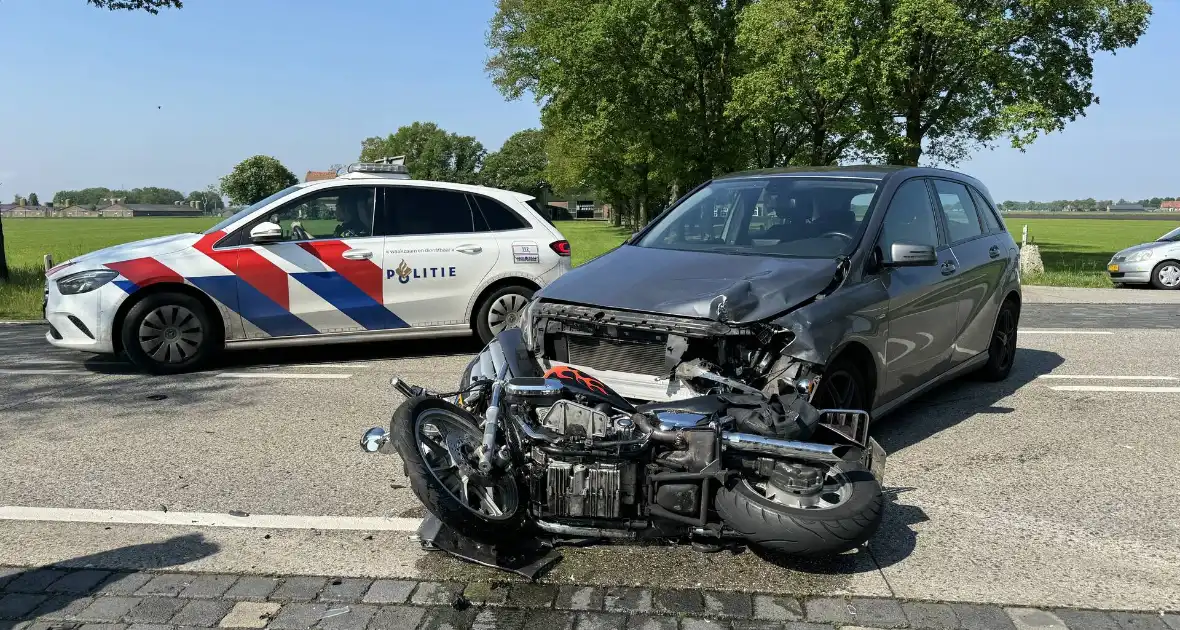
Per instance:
x=713, y=377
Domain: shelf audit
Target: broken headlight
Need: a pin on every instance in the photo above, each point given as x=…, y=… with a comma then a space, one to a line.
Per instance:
x=85, y=281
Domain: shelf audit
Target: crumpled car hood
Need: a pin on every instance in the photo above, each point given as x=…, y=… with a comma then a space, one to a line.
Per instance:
x=726, y=287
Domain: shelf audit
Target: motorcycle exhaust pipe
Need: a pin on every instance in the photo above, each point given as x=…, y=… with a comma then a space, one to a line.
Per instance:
x=751, y=443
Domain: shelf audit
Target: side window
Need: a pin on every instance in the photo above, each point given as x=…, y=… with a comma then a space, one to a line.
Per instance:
x=331, y=213
x=962, y=221
x=494, y=216
x=910, y=217
x=411, y=210
x=985, y=210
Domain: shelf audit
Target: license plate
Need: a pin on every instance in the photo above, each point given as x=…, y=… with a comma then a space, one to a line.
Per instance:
x=1112, y=268
x=876, y=460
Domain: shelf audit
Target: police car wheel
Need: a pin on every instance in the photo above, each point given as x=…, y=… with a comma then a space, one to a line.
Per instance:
x=168, y=333
x=501, y=310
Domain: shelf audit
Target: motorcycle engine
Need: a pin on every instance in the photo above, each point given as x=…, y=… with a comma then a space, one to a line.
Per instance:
x=577, y=482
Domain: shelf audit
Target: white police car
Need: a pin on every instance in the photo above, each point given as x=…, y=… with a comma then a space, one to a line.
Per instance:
x=369, y=255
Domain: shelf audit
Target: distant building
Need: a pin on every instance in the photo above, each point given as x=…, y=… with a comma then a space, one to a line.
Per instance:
x=316, y=176
x=1127, y=207
x=1170, y=206
x=15, y=211
x=77, y=212
x=150, y=210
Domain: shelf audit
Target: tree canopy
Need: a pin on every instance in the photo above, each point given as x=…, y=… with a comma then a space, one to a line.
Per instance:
x=210, y=198
x=519, y=165
x=100, y=196
x=256, y=178
x=430, y=151
x=647, y=98
x=151, y=6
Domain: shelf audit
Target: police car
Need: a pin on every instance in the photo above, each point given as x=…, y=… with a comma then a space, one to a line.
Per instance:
x=371, y=254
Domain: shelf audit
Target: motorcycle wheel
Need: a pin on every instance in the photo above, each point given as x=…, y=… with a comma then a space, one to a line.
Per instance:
x=845, y=514
x=437, y=442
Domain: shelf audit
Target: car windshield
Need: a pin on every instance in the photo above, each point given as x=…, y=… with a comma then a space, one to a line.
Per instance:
x=244, y=212
x=1173, y=236
x=775, y=215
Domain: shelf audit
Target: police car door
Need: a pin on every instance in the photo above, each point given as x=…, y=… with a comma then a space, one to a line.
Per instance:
x=322, y=275
x=435, y=259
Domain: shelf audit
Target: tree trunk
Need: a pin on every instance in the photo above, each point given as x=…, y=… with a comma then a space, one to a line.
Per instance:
x=913, y=136
x=3, y=257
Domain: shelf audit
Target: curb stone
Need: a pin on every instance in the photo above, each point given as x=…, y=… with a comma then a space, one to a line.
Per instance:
x=93, y=598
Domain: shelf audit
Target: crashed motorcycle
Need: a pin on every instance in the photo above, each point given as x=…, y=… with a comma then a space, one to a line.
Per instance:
x=526, y=453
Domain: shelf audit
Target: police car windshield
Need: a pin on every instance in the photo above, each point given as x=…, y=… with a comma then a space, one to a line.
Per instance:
x=235, y=217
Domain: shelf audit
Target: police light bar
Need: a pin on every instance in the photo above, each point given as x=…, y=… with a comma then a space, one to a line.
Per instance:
x=378, y=167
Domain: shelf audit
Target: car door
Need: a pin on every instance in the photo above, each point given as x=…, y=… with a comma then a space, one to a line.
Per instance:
x=436, y=257
x=922, y=303
x=320, y=275
x=982, y=260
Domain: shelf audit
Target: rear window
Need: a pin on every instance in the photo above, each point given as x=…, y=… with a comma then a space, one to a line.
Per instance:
x=497, y=217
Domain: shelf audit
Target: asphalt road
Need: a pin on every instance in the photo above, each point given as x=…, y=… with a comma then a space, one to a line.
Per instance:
x=1049, y=489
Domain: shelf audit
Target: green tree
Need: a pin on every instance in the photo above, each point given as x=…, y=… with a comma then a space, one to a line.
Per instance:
x=151, y=6
x=33, y=200
x=650, y=79
x=210, y=199
x=16, y=199
x=797, y=97
x=256, y=178
x=519, y=165
x=943, y=77
x=430, y=151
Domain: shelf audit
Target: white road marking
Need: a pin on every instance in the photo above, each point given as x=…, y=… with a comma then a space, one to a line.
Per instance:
x=329, y=365
x=1115, y=388
x=27, y=360
x=203, y=519
x=1111, y=377
x=35, y=371
x=1062, y=331
x=279, y=375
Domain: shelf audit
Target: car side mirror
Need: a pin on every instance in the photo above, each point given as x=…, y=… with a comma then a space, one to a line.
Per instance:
x=910, y=255
x=266, y=232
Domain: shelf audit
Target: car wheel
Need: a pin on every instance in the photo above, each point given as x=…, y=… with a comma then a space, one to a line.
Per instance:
x=1001, y=353
x=1166, y=275
x=843, y=386
x=169, y=333
x=501, y=310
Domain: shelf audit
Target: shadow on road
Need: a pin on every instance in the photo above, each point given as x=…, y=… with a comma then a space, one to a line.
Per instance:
x=59, y=592
x=934, y=412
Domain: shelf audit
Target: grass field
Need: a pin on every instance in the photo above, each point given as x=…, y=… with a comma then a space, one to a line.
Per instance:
x=1075, y=252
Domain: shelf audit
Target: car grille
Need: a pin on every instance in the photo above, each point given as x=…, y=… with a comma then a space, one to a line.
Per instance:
x=620, y=356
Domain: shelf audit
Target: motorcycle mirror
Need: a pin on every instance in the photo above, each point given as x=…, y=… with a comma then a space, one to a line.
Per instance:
x=374, y=439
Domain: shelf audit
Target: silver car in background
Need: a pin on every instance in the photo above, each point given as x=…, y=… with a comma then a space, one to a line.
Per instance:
x=1156, y=263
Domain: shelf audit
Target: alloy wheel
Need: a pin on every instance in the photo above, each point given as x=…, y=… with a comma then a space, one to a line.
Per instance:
x=448, y=444
x=1004, y=339
x=505, y=312
x=170, y=334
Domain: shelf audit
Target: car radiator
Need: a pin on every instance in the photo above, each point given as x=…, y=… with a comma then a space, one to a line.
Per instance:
x=620, y=356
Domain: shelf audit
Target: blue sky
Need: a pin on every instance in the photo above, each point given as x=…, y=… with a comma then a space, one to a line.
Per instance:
x=94, y=98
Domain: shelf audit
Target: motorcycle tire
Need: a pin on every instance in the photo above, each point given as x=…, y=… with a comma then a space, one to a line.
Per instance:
x=433, y=495
x=804, y=532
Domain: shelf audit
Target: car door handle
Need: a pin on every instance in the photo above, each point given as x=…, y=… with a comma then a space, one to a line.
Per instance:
x=357, y=254
x=949, y=267
x=994, y=252
x=469, y=249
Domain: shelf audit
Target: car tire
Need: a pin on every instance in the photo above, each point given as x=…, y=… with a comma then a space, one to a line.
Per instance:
x=438, y=499
x=501, y=309
x=833, y=392
x=804, y=532
x=169, y=333
x=1001, y=352
x=1166, y=275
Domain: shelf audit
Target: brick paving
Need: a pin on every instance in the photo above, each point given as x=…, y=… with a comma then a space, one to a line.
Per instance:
x=91, y=599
